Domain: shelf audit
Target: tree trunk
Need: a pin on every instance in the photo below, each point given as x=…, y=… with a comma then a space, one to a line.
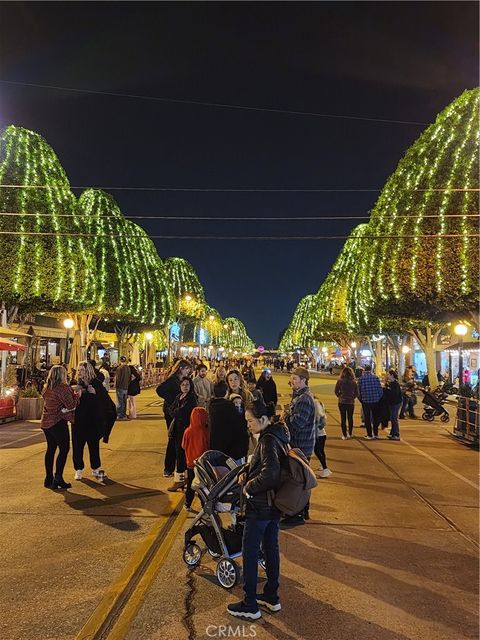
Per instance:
x=427, y=340
x=378, y=357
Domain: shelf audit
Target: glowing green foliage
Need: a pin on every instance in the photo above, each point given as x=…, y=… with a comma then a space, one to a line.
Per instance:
x=130, y=277
x=40, y=272
x=186, y=287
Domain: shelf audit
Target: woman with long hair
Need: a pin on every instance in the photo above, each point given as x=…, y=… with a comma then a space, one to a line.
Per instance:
x=89, y=424
x=220, y=386
x=236, y=384
x=346, y=391
x=181, y=409
x=59, y=403
x=169, y=390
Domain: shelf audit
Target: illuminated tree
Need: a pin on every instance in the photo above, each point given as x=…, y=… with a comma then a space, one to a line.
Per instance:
x=423, y=279
x=186, y=288
x=132, y=283
x=303, y=325
x=234, y=336
x=40, y=272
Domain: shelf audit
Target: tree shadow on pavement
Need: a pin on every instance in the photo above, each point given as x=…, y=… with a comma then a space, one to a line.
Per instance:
x=311, y=618
x=370, y=562
x=110, y=509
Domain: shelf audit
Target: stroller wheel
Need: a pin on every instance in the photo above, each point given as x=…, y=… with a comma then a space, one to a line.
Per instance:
x=444, y=417
x=214, y=554
x=192, y=554
x=227, y=573
x=428, y=417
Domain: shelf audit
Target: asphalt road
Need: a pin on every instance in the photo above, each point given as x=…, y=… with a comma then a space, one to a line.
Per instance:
x=390, y=553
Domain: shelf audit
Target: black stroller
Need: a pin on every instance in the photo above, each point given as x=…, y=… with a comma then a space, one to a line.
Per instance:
x=433, y=406
x=219, y=523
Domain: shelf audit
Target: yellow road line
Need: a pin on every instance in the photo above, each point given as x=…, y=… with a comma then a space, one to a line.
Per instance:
x=119, y=631
x=116, y=590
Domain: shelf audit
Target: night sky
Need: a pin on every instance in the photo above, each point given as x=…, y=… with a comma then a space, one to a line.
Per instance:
x=388, y=60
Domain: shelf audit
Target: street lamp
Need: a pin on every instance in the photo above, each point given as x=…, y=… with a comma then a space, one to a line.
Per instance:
x=406, y=349
x=460, y=331
x=211, y=317
x=68, y=323
x=188, y=297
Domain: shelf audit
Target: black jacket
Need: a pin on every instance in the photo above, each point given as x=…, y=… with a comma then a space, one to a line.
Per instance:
x=263, y=477
x=268, y=389
x=134, y=385
x=181, y=410
x=90, y=414
x=393, y=393
x=228, y=429
x=169, y=390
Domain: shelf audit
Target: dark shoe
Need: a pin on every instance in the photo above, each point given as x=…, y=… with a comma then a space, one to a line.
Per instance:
x=47, y=483
x=402, y=417
x=306, y=515
x=269, y=602
x=291, y=521
x=242, y=610
x=168, y=474
x=59, y=483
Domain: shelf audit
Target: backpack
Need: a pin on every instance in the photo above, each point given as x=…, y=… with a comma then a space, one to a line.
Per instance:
x=320, y=417
x=297, y=481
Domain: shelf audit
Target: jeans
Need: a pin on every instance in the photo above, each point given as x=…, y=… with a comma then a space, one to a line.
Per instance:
x=394, y=409
x=264, y=534
x=57, y=436
x=371, y=415
x=80, y=438
x=122, y=403
x=320, y=450
x=407, y=404
x=346, y=410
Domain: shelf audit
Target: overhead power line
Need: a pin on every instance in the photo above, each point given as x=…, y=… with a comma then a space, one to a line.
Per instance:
x=232, y=190
x=163, y=237
x=219, y=105
x=237, y=218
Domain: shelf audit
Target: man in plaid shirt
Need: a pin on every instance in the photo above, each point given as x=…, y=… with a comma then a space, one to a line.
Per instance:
x=300, y=420
x=370, y=392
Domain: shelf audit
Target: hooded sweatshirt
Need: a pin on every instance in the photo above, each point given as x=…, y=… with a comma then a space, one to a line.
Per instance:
x=195, y=438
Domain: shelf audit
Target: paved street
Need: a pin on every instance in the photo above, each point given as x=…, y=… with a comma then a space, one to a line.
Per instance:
x=390, y=552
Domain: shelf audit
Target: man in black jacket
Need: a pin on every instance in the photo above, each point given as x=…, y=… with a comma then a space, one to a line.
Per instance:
x=262, y=517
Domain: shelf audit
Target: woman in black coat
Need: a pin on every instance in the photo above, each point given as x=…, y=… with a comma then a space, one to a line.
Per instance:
x=181, y=410
x=169, y=390
x=267, y=386
x=90, y=421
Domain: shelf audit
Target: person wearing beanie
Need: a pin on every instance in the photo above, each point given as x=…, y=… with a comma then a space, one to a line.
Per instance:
x=195, y=442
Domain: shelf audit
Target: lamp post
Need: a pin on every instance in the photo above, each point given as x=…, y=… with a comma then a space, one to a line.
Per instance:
x=68, y=324
x=460, y=331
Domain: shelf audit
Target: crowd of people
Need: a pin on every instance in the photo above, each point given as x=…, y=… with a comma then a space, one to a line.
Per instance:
x=225, y=407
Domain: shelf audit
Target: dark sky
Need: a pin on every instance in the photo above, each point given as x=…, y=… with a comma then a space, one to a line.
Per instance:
x=394, y=60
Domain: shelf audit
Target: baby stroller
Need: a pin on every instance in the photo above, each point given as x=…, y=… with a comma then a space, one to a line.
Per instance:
x=218, y=524
x=433, y=406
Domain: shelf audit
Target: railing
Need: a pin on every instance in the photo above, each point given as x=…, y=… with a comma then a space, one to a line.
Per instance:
x=467, y=420
x=152, y=378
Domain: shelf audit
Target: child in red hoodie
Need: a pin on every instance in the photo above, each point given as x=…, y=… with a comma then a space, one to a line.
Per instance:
x=195, y=442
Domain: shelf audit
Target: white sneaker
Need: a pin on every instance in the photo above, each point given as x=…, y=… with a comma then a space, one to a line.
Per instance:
x=369, y=437
x=344, y=437
x=78, y=474
x=325, y=473
x=348, y=436
x=99, y=474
